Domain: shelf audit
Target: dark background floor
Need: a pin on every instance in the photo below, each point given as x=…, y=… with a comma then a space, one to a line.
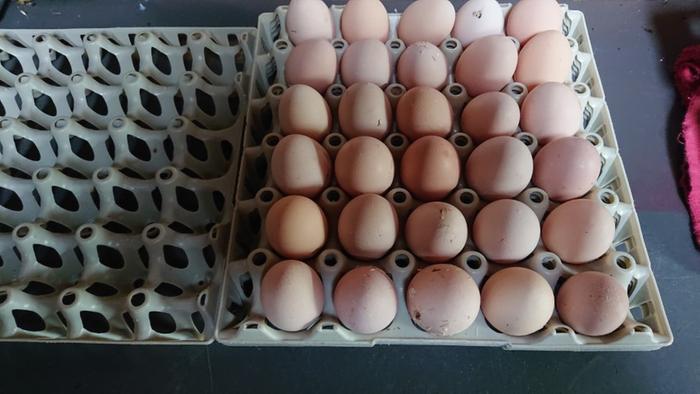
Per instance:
x=635, y=43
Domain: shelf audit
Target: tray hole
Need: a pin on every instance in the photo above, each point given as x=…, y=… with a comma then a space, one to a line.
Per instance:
x=71, y=173
x=259, y=259
x=44, y=103
x=337, y=91
x=60, y=62
x=331, y=260
x=526, y=139
x=180, y=228
x=9, y=199
x=138, y=148
x=197, y=148
x=580, y=88
x=623, y=262
x=333, y=195
x=162, y=322
x=138, y=299
x=150, y=102
x=81, y=148
x=640, y=328
x=102, y=290
x=187, y=199
x=517, y=90
x=608, y=197
x=467, y=197
x=65, y=199
x=335, y=141
x=203, y=299
x=536, y=197
x=338, y=44
x=161, y=61
x=473, y=262
x=143, y=256
x=401, y=261
x=549, y=263
x=451, y=44
x=394, y=44
x=110, y=257
x=129, y=321
x=640, y=312
x=28, y=320
x=68, y=299
x=153, y=232
x=94, y=322
x=461, y=141
x=110, y=61
x=251, y=326
x=276, y=90
x=397, y=140
x=96, y=102
x=175, y=256
x=22, y=231
x=281, y=45
x=328, y=327
x=562, y=330
x=266, y=196
x=55, y=227
x=37, y=288
x=399, y=197
x=125, y=199
x=205, y=102
x=397, y=90
x=213, y=61
x=168, y=290
x=209, y=256
x=198, y=321
x=12, y=64
x=116, y=227
x=246, y=284
x=47, y=256
x=631, y=286
x=62, y=318
x=26, y=148
x=456, y=90
x=272, y=140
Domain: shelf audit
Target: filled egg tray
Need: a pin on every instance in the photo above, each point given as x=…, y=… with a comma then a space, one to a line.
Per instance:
x=241, y=320
x=118, y=154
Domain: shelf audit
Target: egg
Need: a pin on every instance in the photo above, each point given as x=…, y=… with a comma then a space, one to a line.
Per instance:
x=291, y=295
x=308, y=20
x=529, y=17
x=365, y=300
x=364, y=165
x=443, y=299
x=422, y=64
x=430, y=168
x=366, y=61
x=364, y=110
x=487, y=64
x=506, y=231
x=592, y=303
x=300, y=165
x=500, y=167
x=302, y=110
x=364, y=19
x=545, y=58
x=551, y=111
x=489, y=115
x=517, y=301
x=579, y=231
x=436, y=232
x=368, y=226
x=423, y=111
x=311, y=63
x=477, y=19
x=567, y=168
x=426, y=20
x=296, y=227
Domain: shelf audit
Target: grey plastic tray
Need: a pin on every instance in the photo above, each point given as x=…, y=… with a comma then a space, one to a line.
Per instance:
x=240, y=319
x=118, y=154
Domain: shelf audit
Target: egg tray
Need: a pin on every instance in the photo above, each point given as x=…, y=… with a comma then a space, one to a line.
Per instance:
x=118, y=154
x=240, y=318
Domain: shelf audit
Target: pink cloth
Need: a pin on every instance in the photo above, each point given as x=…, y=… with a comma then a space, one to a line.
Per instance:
x=687, y=75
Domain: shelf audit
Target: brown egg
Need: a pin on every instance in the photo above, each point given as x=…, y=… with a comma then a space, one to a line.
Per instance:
x=291, y=295
x=545, y=58
x=364, y=110
x=364, y=165
x=422, y=64
x=302, y=110
x=366, y=61
x=296, y=227
x=443, y=299
x=567, y=168
x=423, y=111
x=506, y=231
x=517, y=301
x=308, y=20
x=364, y=19
x=430, y=168
x=489, y=115
x=592, y=303
x=311, y=63
x=365, y=300
x=487, y=65
x=551, y=111
x=426, y=20
x=529, y=17
x=499, y=168
x=368, y=226
x=436, y=232
x=579, y=231
x=301, y=166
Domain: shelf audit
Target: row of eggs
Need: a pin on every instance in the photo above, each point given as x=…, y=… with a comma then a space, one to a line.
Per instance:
x=444, y=300
x=488, y=63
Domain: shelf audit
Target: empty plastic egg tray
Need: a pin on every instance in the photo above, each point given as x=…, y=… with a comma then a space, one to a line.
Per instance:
x=240, y=319
x=118, y=155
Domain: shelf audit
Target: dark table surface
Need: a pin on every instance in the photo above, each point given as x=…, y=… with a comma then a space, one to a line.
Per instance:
x=635, y=43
